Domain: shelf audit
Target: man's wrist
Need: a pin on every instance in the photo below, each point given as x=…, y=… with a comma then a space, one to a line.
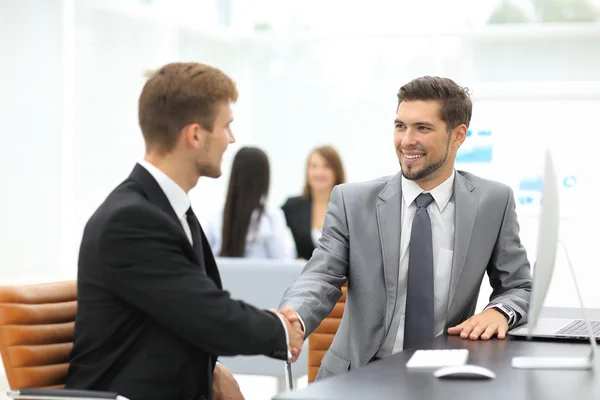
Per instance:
x=287, y=336
x=508, y=312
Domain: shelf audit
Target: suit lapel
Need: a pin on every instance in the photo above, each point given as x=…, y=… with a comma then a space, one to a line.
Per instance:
x=465, y=200
x=156, y=195
x=389, y=221
x=209, y=261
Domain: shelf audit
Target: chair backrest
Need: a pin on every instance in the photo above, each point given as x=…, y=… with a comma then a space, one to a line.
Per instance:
x=261, y=283
x=36, y=333
x=321, y=338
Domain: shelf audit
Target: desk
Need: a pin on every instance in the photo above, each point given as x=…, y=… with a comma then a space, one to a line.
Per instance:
x=389, y=378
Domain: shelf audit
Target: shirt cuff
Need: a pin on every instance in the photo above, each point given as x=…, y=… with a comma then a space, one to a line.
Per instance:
x=287, y=337
x=507, y=311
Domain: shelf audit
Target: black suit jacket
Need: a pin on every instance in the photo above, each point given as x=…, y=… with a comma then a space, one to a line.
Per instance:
x=152, y=317
x=298, y=214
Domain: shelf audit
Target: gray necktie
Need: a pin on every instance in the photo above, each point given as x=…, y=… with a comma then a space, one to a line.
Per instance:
x=418, y=321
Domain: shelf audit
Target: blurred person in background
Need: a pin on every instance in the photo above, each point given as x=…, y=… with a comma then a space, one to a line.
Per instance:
x=246, y=227
x=152, y=316
x=305, y=214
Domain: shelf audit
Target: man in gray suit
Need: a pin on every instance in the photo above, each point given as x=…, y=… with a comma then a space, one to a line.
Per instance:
x=414, y=247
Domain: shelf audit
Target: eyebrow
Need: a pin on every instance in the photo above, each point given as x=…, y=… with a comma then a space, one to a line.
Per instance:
x=418, y=123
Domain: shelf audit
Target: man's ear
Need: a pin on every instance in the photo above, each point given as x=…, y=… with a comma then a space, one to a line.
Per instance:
x=459, y=135
x=191, y=134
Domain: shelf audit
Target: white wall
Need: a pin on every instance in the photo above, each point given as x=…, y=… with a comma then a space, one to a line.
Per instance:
x=31, y=112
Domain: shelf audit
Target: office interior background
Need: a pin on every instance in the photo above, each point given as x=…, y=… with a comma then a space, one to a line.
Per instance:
x=309, y=72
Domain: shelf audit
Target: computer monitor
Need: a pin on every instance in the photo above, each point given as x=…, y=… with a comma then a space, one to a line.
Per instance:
x=542, y=276
x=547, y=242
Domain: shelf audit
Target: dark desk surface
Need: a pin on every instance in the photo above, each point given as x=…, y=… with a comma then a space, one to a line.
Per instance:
x=389, y=378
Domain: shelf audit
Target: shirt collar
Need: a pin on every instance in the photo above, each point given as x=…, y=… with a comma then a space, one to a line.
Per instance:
x=442, y=193
x=177, y=197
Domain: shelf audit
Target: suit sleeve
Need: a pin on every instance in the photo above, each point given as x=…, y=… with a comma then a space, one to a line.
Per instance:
x=314, y=294
x=144, y=264
x=508, y=270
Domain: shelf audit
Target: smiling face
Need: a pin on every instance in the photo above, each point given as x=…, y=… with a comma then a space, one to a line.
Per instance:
x=425, y=147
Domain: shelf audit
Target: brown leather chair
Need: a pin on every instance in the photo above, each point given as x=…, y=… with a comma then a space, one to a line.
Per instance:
x=321, y=338
x=36, y=337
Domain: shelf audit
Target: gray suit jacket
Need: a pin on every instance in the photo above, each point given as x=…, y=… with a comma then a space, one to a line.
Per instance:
x=361, y=244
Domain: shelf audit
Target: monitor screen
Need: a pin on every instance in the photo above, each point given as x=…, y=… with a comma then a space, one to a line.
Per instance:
x=547, y=242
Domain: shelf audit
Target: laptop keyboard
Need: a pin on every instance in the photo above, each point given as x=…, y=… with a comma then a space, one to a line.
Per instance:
x=578, y=328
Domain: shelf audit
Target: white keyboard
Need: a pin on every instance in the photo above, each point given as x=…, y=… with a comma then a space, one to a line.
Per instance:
x=426, y=359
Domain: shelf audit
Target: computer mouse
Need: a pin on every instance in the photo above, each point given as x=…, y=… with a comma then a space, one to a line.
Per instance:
x=466, y=371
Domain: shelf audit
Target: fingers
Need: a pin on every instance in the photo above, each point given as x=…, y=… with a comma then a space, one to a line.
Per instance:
x=502, y=330
x=296, y=336
x=489, y=332
x=289, y=313
x=468, y=327
x=477, y=331
x=294, y=328
x=477, y=327
x=455, y=330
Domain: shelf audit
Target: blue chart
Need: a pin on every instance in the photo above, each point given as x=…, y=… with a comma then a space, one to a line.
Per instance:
x=479, y=152
x=530, y=189
x=477, y=148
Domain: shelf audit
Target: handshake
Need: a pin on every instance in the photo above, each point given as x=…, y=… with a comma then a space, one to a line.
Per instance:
x=294, y=328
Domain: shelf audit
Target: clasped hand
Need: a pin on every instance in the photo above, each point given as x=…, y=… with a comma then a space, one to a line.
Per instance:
x=294, y=328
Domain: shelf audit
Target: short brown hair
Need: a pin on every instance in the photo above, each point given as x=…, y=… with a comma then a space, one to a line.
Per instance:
x=179, y=94
x=455, y=102
x=334, y=161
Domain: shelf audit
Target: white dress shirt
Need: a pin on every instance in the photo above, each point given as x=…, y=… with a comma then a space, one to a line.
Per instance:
x=441, y=212
x=268, y=237
x=180, y=203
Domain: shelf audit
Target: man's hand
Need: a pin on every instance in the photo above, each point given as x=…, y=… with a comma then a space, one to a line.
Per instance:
x=225, y=386
x=295, y=331
x=485, y=325
x=292, y=316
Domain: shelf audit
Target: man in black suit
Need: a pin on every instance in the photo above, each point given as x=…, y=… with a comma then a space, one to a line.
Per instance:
x=152, y=316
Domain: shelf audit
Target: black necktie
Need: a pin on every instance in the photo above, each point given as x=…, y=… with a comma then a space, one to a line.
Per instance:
x=196, y=233
x=419, y=319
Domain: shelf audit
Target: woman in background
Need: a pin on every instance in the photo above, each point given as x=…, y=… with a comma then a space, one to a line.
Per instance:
x=305, y=214
x=246, y=227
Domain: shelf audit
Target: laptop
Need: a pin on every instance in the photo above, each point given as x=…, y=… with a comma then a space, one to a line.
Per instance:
x=550, y=328
x=559, y=328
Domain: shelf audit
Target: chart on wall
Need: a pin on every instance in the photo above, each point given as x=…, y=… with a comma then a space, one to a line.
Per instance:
x=507, y=139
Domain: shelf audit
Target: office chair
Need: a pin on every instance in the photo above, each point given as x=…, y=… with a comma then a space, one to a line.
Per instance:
x=320, y=340
x=36, y=338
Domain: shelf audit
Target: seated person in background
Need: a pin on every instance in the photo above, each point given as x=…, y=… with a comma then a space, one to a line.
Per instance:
x=414, y=247
x=246, y=227
x=305, y=214
x=152, y=316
